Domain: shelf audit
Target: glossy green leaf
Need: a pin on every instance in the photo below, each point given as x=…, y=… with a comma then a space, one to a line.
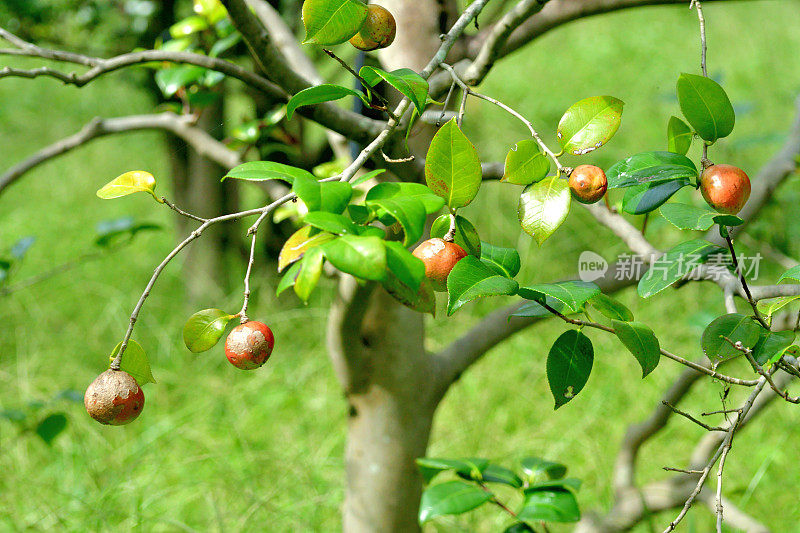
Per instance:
x=212, y=10
x=51, y=427
x=642, y=199
x=367, y=176
x=331, y=222
x=362, y=257
x=773, y=305
x=772, y=345
x=734, y=326
x=405, y=80
x=569, y=364
x=134, y=362
x=171, y=79
x=318, y=94
x=409, y=212
x=611, y=308
x=223, y=45
x=330, y=22
x=452, y=166
x=204, y=329
x=331, y=196
x=543, y=206
x=688, y=217
x=299, y=243
x=505, y=261
x=499, y=474
x=589, y=124
x=451, y=498
x=466, y=235
x=267, y=170
x=536, y=468
x=309, y=273
x=549, y=505
x=792, y=274
x=674, y=265
x=429, y=467
x=129, y=183
x=641, y=342
x=409, y=269
x=525, y=164
x=188, y=26
x=429, y=199
x=471, y=279
x=679, y=136
x=648, y=167
x=706, y=106
x=574, y=294
x=533, y=309
x=288, y=279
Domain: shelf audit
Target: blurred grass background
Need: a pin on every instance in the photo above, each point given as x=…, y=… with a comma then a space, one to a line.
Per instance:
x=217, y=449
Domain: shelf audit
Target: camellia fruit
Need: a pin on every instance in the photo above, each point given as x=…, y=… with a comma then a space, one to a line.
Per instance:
x=726, y=188
x=114, y=398
x=249, y=345
x=378, y=30
x=588, y=183
x=439, y=256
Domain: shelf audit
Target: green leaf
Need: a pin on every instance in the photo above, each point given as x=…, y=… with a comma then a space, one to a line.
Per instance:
x=51, y=426
x=641, y=342
x=499, y=474
x=410, y=270
x=569, y=364
x=505, y=261
x=449, y=498
x=549, y=505
x=429, y=199
x=543, y=206
x=288, y=279
x=129, y=183
x=792, y=274
x=362, y=257
x=429, y=467
x=452, y=166
x=688, y=217
x=226, y=43
x=331, y=222
x=120, y=230
x=536, y=467
x=773, y=305
x=737, y=328
x=422, y=300
x=409, y=212
x=405, y=80
x=471, y=279
x=332, y=196
x=134, y=362
x=330, y=22
x=519, y=527
x=525, y=164
x=21, y=247
x=318, y=94
x=706, y=106
x=648, y=167
x=466, y=235
x=674, y=265
x=573, y=294
x=299, y=243
x=171, y=79
x=367, y=176
x=642, y=199
x=611, y=308
x=309, y=273
x=267, y=170
x=188, y=26
x=679, y=136
x=772, y=345
x=204, y=329
x=589, y=124
x=533, y=309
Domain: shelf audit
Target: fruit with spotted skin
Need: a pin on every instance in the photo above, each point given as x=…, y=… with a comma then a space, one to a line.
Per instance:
x=726, y=188
x=588, y=183
x=249, y=345
x=114, y=398
x=439, y=256
x=378, y=30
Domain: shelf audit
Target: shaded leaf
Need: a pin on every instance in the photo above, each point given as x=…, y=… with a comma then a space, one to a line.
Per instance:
x=706, y=106
x=734, y=326
x=405, y=80
x=569, y=364
x=409, y=212
x=679, y=136
x=676, y=263
x=449, y=498
x=318, y=94
x=471, y=279
x=51, y=426
x=429, y=467
x=505, y=261
x=649, y=167
x=267, y=170
x=309, y=273
x=536, y=467
x=772, y=345
x=549, y=505
x=574, y=294
x=611, y=308
x=641, y=342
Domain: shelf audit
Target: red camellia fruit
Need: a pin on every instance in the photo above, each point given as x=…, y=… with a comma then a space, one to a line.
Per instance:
x=726, y=188
x=588, y=183
x=378, y=30
x=249, y=345
x=114, y=398
x=439, y=256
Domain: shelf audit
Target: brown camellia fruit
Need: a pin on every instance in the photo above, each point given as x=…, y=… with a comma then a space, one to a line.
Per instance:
x=439, y=256
x=114, y=398
x=378, y=30
x=249, y=345
x=588, y=183
x=726, y=188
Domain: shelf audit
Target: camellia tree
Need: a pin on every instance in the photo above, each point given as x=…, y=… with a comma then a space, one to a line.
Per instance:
x=387, y=223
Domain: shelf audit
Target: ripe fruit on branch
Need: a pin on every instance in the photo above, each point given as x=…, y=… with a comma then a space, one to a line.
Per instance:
x=249, y=345
x=588, y=183
x=439, y=256
x=378, y=30
x=726, y=188
x=114, y=398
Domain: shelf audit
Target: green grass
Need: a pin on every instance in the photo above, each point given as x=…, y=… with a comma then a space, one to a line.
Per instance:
x=218, y=449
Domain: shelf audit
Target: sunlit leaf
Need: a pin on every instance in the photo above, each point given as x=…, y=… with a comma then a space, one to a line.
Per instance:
x=589, y=124
x=129, y=183
x=204, y=329
x=134, y=361
x=330, y=22
x=452, y=166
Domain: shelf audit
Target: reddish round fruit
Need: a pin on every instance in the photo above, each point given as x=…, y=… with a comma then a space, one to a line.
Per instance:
x=378, y=30
x=439, y=257
x=249, y=345
x=588, y=183
x=726, y=188
x=114, y=398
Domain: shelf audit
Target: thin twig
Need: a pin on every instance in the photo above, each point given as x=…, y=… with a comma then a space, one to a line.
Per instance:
x=243, y=313
x=693, y=419
x=743, y=281
x=181, y=211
